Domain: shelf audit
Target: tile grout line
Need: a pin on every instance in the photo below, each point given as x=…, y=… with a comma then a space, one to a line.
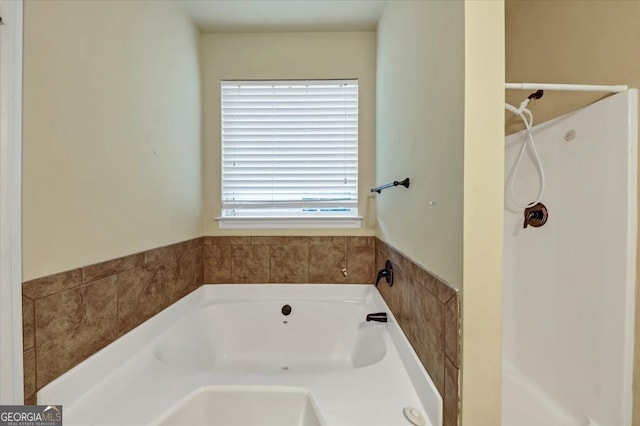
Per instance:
x=35, y=353
x=35, y=349
x=451, y=361
x=118, y=305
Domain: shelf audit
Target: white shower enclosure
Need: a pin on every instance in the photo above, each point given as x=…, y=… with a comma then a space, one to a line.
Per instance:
x=569, y=285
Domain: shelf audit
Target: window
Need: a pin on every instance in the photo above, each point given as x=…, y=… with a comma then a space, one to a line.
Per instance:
x=289, y=153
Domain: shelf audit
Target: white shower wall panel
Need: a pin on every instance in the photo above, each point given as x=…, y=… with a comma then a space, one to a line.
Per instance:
x=569, y=285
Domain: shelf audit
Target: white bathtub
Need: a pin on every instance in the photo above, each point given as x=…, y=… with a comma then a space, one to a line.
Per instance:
x=233, y=343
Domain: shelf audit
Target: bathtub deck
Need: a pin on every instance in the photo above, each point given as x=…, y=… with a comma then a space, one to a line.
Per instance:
x=126, y=384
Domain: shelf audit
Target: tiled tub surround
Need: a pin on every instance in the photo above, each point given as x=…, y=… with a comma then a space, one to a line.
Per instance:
x=69, y=316
x=428, y=311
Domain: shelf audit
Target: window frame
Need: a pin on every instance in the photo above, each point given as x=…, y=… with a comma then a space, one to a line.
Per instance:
x=285, y=221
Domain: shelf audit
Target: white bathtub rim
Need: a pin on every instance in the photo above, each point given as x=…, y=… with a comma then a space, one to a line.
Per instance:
x=239, y=388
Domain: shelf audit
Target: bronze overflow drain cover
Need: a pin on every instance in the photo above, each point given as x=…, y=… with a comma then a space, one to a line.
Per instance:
x=286, y=310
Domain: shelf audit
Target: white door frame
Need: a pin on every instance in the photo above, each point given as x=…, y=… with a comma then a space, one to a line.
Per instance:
x=11, y=379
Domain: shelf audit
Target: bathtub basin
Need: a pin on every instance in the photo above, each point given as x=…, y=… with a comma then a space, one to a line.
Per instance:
x=314, y=337
x=229, y=346
x=243, y=406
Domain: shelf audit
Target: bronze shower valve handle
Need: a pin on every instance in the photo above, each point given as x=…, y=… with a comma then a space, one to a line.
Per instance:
x=535, y=216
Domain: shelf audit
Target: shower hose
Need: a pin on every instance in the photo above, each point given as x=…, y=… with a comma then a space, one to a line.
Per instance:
x=527, y=118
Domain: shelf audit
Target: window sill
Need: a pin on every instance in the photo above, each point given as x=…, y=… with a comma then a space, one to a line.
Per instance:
x=330, y=222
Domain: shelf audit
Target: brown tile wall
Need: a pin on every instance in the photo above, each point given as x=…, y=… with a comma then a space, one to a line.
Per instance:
x=428, y=312
x=69, y=316
x=289, y=259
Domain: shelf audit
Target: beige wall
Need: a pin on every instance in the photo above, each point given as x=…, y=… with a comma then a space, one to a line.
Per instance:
x=111, y=131
x=594, y=42
x=419, y=132
x=286, y=56
x=440, y=121
x=483, y=213
x=581, y=42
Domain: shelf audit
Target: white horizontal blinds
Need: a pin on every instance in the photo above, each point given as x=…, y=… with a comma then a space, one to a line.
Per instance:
x=289, y=148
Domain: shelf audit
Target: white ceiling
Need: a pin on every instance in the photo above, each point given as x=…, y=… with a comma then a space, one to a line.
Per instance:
x=284, y=15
